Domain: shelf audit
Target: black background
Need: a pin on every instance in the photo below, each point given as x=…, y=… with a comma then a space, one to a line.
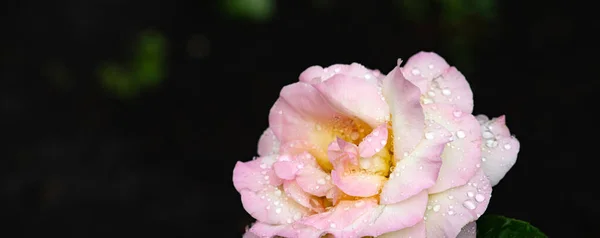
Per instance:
x=82, y=162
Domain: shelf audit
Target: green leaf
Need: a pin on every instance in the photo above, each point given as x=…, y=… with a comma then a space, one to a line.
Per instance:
x=257, y=10
x=494, y=226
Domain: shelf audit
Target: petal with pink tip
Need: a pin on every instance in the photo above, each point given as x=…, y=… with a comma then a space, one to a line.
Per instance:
x=358, y=184
x=391, y=217
x=439, y=82
x=461, y=156
x=293, y=191
x=419, y=171
x=407, y=114
x=449, y=211
x=268, y=144
x=271, y=205
x=355, y=97
x=318, y=74
x=374, y=142
x=315, y=181
x=341, y=219
x=291, y=230
x=255, y=175
x=416, y=231
x=341, y=151
x=285, y=167
x=297, y=115
x=499, y=149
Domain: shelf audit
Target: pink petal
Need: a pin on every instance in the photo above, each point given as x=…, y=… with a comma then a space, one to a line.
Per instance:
x=439, y=82
x=374, y=142
x=448, y=212
x=340, y=151
x=300, y=114
x=255, y=175
x=392, y=217
x=461, y=156
x=499, y=149
x=268, y=144
x=468, y=231
x=340, y=220
x=407, y=114
x=419, y=170
x=309, y=175
x=293, y=191
x=355, y=97
x=416, y=231
x=290, y=230
x=272, y=206
x=358, y=184
x=317, y=74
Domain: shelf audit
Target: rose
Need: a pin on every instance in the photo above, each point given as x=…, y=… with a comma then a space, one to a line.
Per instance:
x=350, y=152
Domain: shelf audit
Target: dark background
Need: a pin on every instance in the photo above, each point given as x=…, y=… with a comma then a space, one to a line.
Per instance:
x=125, y=117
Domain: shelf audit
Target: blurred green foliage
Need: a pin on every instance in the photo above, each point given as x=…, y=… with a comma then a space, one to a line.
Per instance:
x=257, y=10
x=144, y=71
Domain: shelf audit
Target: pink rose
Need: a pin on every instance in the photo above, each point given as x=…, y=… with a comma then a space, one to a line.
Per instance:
x=350, y=152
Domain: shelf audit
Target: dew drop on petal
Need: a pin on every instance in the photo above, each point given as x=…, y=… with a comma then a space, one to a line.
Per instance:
x=450, y=212
x=416, y=71
x=446, y=92
x=278, y=210
x=487, y=135
x=470, y=194
x=436, y=208
x=321, y=181
x=468, y=204
x=457, y=113
x=450, y=197
x=332, y=225
x=429, y=135
x=460, y=134
x=507, y=146
x=431, y=93
x=479, y=197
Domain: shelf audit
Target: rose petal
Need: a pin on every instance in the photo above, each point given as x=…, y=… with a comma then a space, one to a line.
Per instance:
x=392, y=217
x=468, y=231
x=461, y=156
x=355, y=97
x=416, y=231
x=255, y=175
x=419, y=171
x=308, y=174
x=374, y=142
x=317, y=74
x=291, y=230
x=271, y=205
x=358, y=184
x=340, y=220
x=438, y=82
x=268, y=144
x=340, y=151
x=499, y=149
x=448, y=212
x=407, y=114
x=293, y=191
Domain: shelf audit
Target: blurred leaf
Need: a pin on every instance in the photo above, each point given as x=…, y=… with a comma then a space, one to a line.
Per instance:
x=416, y=10
x=148, y=67
x=257, y=10
x=118, y=81
x=493, y=226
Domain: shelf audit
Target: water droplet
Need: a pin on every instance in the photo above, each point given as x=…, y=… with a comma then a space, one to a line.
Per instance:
x=321, y=181
x=479, y=197
x=457, y=113
x=450, y=212
x=470, y=194
x=427, y=101
x=507, y=146
x=263, y=166
x=429, y=135
x=431, y=93
x=468, y=204
x=483, y=159
x=300, y=166
x=460, y=134
x=337, y=70
x=278, y=192
x=276, y=203
x=266, y=177
x=446, y=92
x=478, y=165
x=450, y=197
x=332, y=225
x=430, y=66
x=383, y=142
x=416, y=71
x=436, y=208
x=297, y=216
x=367, y=76
x=359, y=203
x=429, y=207
x=280, y=112
x=491, y=143
x=319, y=127
x=487, y=135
